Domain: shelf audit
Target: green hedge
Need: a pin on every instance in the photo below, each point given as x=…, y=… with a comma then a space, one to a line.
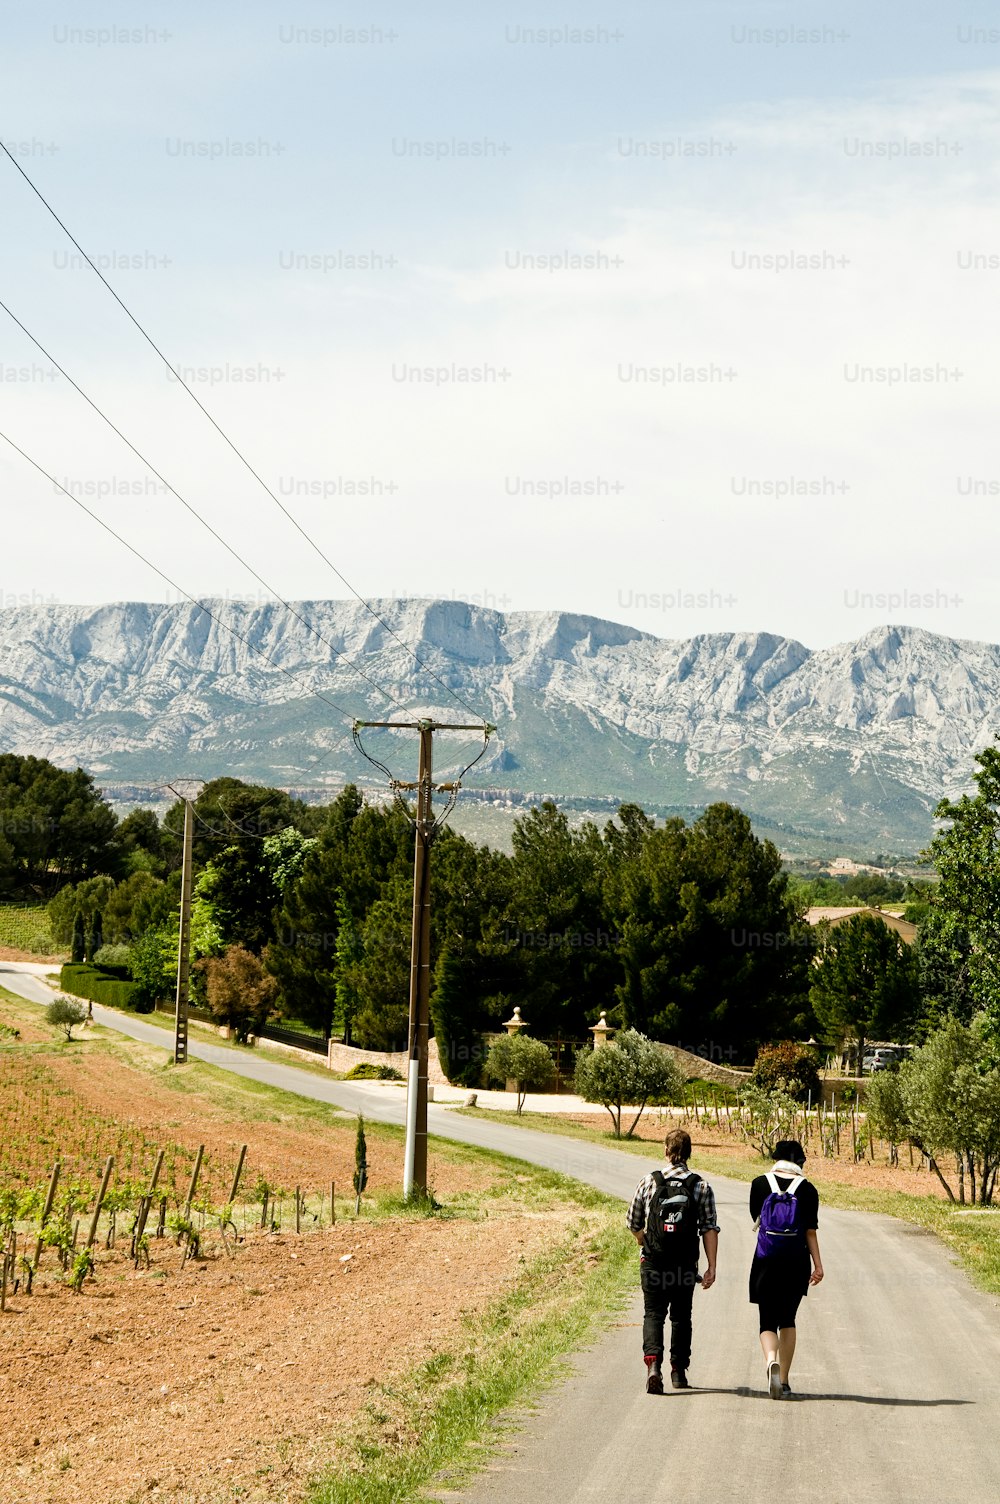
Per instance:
x=84, y=980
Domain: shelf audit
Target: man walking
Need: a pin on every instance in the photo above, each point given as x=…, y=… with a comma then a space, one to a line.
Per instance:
x=671, y=1209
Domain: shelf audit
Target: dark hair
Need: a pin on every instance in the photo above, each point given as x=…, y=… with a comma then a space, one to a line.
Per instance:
x=790, y=1149
x=677, y=1146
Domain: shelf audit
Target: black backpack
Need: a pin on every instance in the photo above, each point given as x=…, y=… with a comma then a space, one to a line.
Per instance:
x=672, y=1222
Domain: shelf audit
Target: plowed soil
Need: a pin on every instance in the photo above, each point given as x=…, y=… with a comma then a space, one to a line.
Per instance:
x=235, y=1376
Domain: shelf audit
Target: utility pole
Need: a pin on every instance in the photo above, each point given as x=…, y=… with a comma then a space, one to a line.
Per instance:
x=415, y=1152
x=184, y=936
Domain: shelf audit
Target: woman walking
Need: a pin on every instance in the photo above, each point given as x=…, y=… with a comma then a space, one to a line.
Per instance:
x=785, y=1209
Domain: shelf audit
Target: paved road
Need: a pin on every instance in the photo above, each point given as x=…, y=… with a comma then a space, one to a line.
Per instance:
x=898, y=1379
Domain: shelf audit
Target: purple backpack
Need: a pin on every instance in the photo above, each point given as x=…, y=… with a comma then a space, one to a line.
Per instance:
x=780, y=1227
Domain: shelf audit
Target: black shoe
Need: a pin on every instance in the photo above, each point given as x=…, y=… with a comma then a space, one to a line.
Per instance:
x=786, y=1390
x=679, y=1378
x=654, y=1376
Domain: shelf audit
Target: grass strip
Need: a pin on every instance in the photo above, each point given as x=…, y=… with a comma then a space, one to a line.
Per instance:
x=209, y=1034
x=430, y=1431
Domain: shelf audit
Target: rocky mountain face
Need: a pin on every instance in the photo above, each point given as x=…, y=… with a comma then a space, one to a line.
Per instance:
x=852, y=745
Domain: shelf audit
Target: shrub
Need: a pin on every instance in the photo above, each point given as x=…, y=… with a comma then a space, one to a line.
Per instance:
x=787, y=1067
x=630, y=1069
x=368, y=1070
x=526, y=1062
x=113, y=958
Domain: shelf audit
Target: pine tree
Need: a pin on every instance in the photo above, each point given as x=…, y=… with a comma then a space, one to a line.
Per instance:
x=865, y=983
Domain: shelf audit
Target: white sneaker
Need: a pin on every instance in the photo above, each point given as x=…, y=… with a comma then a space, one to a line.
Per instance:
x=774, y=1380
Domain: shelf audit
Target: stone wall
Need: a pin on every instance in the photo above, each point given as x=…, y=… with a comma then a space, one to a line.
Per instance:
x=284, y=1049
x=343, y=1056
x=696, y=1068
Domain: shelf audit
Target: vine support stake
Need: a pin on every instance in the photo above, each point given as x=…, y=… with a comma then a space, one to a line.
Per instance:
x=53, y=1182
x=333, y=1203
x=236, y=1177
x=7, y=1258
x=194, y=1180
x=146, y=1203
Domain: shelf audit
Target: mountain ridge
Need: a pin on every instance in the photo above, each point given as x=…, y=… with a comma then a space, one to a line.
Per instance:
x=858, y=740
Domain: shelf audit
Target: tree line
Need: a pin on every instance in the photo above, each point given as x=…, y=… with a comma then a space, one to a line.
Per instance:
x=690, y=933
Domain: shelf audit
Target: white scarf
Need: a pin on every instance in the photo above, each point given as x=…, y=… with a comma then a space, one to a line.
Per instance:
x=784, y=1167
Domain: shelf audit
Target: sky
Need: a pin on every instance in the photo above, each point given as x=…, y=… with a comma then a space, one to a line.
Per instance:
x=679, y=314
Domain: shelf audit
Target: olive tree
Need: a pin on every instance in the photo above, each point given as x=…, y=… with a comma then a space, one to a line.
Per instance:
x=526, y=1062
x=65, y=1013
x=630, y=1070
x=946, y=1100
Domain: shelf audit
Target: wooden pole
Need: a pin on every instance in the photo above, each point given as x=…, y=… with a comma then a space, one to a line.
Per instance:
x=236, y=1177
x=53, y=1182
x=184, y=942
x=194, y=1180
x=108, y=1167
x=7, y=1259
x=333, y=1203
x=147, y=1201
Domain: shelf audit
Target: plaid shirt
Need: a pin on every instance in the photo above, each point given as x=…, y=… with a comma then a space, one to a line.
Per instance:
x=704, y=1200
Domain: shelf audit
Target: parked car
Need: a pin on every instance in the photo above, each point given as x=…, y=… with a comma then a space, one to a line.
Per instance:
x=880, y=1059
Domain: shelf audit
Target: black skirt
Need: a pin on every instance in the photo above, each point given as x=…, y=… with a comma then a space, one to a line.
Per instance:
x=780, y=1277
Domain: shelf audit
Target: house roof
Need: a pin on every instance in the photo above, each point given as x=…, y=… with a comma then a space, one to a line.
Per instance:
x=835, y=916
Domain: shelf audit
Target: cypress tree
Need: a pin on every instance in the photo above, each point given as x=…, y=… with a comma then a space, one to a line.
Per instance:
x=361, y=1163
x=459, y=1042
x=78, y=945
x=95, y=935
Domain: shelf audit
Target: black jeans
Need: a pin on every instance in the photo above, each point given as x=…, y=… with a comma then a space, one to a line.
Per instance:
x=667, y=1292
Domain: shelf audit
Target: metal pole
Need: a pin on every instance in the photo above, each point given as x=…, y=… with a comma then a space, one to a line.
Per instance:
x=184, y=943
x=415, y=1154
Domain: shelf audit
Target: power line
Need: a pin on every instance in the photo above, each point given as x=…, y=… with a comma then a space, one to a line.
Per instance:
x=239, y=454
x=197, y=515
x=315, y=693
